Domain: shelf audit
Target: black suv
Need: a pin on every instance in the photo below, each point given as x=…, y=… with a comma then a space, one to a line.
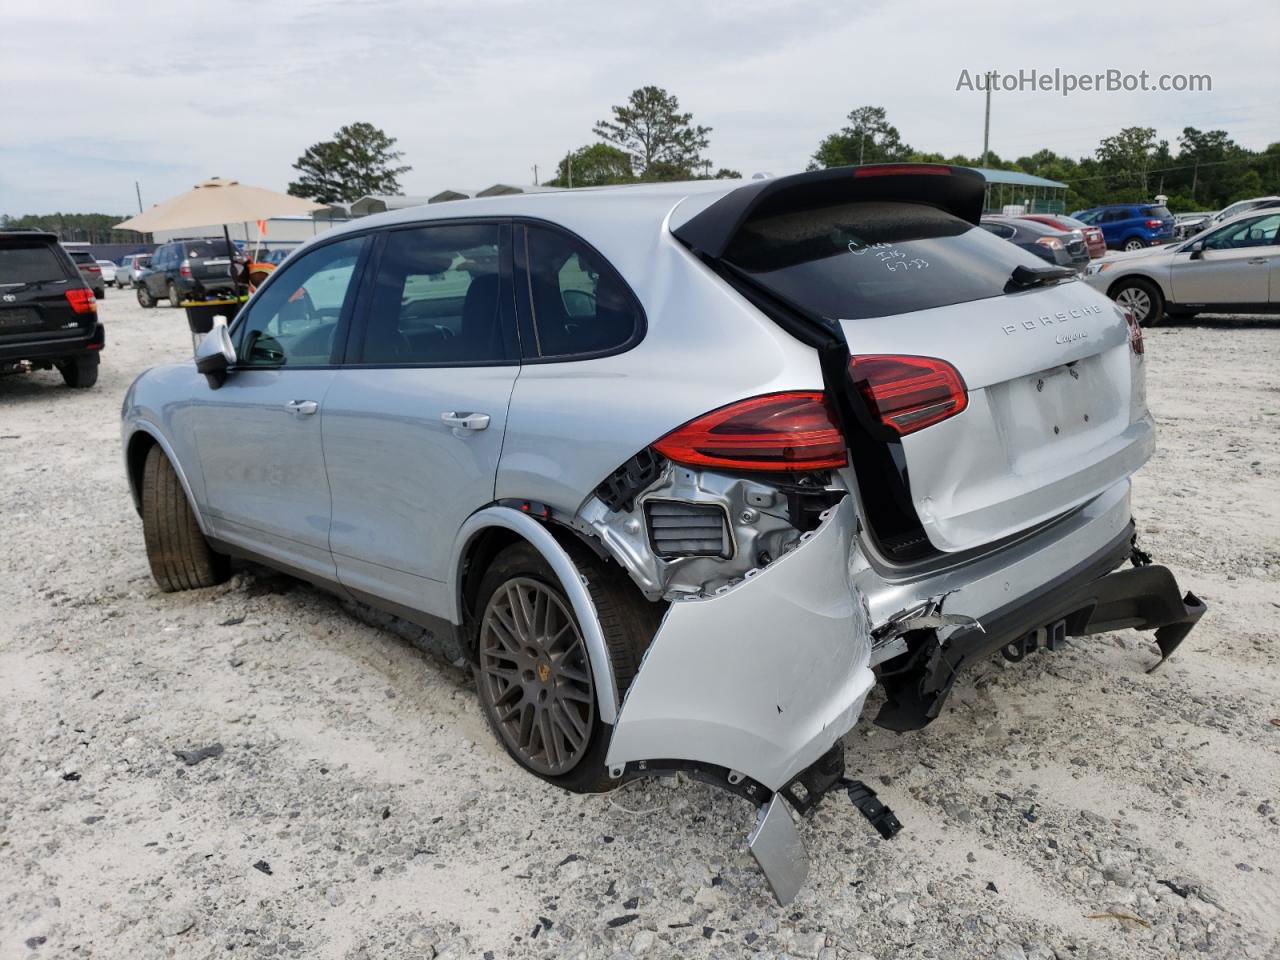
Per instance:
x=183, y=269
x=48, y=317
x=90, y=270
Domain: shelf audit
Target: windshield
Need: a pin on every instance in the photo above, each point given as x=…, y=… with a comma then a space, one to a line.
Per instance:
x=29, y=264
x=873, y=259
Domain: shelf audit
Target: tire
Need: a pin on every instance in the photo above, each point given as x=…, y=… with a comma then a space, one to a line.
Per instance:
x=628, y=623
x=175, y=298
x=80, y=372
x=180, y=556
x=1173, y=313
x=145, y=299
x=100, y=293
x=1134, y=243
x=1140, y=296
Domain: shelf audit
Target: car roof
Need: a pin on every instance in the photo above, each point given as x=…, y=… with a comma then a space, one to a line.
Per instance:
x=648, y=200
x=24, y=234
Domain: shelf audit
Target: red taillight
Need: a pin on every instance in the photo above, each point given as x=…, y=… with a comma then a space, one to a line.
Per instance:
x=780, y=431
x=1155, y=223
x=184, y=268
x=1135, y=334
x=93, y=269
x=896, y=169
x=81, y=300
x=909, y=393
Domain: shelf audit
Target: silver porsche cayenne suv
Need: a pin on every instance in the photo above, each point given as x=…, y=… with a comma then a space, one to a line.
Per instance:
x=685, y=469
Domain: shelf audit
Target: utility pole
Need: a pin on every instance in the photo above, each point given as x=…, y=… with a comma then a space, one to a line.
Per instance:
x=986, y=126
x=138, y=190
x=535, y=174
x=1195, y=174
x=862, y=145
x=568, y=161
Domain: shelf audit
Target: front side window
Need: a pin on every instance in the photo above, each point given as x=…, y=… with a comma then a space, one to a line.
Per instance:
x=437, y=298
x=1254, y=232
x=294, y=321
x=579, y=304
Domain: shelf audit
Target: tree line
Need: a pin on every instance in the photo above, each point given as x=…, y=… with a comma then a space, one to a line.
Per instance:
x=649, y=138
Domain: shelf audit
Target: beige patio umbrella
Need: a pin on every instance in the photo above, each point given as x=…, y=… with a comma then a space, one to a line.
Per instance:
x=218, y=201
x=222, y=202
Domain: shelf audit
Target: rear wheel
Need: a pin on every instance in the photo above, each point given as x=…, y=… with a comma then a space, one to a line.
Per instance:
x=180, y=556
x=1134, y=243
x=534, y=671
x=80, y=372
x=1141, y=298
x=175, y=298
x=145, y=299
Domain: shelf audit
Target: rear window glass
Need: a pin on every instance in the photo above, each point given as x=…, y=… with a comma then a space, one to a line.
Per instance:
x=81, y=256
x=30, y=264
x=197, y=251
x=874, y=259
x=1161, y=212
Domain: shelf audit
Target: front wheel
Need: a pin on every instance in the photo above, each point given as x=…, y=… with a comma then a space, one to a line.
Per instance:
x=1134, y=243
x=534, y=673
x=180, y=556
x=1141, y=298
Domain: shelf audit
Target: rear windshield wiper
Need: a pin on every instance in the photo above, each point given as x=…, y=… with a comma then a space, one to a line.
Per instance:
x=1023, y=277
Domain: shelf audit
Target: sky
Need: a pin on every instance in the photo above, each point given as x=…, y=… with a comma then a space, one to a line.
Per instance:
x=95, y=96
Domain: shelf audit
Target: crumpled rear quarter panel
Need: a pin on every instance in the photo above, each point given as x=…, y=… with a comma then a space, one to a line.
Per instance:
x=762, y=677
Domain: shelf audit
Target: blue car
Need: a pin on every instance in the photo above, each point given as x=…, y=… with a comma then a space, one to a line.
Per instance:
x=1131, y=226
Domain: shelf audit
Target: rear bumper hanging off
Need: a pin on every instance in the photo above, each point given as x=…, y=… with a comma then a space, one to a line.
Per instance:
x=1087, y=600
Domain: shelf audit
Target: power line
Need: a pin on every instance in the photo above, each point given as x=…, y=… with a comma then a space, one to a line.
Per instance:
x=1185, y=166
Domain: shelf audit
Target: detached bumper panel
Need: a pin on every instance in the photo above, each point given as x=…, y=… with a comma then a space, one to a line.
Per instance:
x=762, y=677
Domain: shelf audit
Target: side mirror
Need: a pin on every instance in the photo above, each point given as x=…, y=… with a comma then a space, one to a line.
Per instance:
x=1197, y=250
x=216, y=353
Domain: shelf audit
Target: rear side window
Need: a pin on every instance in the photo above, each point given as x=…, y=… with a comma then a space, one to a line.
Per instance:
x=873, y=259
x=580, y=306
x=437, y=298
x=30, y=264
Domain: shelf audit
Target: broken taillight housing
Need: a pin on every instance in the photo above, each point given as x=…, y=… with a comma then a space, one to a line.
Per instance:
x=909, y=393
x=81, y=300
x=779, y=431
x=1135, y=333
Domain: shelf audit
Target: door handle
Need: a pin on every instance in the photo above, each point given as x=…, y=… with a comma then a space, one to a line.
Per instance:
x=302, y=408
x=1258, y=260
x=465, y=421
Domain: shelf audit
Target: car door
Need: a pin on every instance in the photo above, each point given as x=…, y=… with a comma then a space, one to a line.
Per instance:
x=1234, y=264
x=414, y=420
x=156, y=278
x=258, y=436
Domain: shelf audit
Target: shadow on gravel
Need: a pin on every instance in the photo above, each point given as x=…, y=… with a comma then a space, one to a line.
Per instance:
x=1222, y=321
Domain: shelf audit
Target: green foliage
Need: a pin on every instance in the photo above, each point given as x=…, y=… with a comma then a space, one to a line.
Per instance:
x=75, y=227
x=868, y=137
x=663, y=143
x=595, y=165
x=358, y=161
x=1208, y=171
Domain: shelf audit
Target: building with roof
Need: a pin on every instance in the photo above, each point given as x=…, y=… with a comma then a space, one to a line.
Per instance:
x=1007, y=188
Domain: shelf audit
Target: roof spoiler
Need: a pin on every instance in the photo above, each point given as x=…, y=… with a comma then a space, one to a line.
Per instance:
x=959, y=191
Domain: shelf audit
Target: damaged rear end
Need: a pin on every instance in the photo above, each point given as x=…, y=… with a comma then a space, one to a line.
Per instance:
x=957, y=484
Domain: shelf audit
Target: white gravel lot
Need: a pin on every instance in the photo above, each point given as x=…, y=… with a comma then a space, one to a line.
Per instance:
x=1071, y=806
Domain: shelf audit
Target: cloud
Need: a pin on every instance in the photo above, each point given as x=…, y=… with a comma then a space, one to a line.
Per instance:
x=477, y=93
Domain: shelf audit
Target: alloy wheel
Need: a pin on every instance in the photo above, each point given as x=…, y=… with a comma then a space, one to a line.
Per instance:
x=1134, y=245
x=1136, y=300
x=536, y=675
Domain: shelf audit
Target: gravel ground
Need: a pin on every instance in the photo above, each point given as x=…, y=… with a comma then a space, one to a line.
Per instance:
x=1071, y=806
